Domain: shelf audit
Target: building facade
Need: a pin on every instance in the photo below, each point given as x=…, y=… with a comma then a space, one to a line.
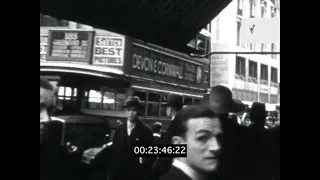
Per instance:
x=251, y=77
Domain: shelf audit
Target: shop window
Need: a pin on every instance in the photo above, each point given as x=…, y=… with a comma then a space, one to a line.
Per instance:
x=245, y=96
x=255, y=97
x=250, y=96
x=239, y=96
x=273, y=99
x=264, y=98
x=235, y=94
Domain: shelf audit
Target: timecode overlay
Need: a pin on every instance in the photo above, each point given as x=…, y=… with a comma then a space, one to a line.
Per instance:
x=160, y=150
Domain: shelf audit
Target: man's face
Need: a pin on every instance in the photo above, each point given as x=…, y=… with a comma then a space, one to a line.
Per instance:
x=132, y=113
x=203, y=139
x=47, y=103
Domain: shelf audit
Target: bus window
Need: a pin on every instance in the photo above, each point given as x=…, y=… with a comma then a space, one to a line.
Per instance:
x=153, y=104
x=196, y=101
x=67, y=95
x=109, y=100
x=163, y=106
x=120, y=99
x=75, y=92
x=112, y=100
x=143, y=97
x=94, y=99
x=188, y=101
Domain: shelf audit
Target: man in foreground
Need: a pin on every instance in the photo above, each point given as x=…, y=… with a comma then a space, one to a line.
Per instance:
x=123, y=165
x=234, y=153
x=199, y=128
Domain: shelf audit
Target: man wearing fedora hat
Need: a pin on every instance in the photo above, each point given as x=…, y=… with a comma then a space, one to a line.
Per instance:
x=264, y=146
x=123, y=165
x=258, y=115
x=174, y=105
x=162, y=165
x=221, y=102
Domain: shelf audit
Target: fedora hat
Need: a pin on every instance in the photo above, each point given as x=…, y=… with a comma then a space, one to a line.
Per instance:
x=258, y=107
x=221, y=101
x=175, y=101
x=134, y=102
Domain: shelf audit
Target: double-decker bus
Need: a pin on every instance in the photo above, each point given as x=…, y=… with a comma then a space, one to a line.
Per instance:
x=95, y=72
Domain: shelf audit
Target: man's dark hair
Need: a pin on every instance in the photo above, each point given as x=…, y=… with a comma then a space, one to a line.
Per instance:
x=178, y=126
x=45, y=84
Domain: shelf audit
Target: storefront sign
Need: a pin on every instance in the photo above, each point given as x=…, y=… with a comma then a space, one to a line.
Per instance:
x=219, y=69
x=163, y=67
x=108, y=50
x=43, y=46
x=70, y=45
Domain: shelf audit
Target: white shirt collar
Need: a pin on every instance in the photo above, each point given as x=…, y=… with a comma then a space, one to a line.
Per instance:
x=156, y=134
x=130, y=127
x=194, y=175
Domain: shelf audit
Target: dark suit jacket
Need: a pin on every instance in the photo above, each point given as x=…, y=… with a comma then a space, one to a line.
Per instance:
x=162, y=164
x=52, y=162
x=122, y=152
x=175, y=174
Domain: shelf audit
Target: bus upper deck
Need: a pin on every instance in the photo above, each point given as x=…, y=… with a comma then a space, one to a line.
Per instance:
x=99, y=82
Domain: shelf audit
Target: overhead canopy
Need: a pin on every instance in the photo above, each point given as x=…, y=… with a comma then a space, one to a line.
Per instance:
x=168, y=23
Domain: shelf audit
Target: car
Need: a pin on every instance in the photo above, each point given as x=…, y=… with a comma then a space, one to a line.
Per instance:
x=77, y=133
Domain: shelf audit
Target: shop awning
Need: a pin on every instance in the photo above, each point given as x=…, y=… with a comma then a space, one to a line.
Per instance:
x=167, y=23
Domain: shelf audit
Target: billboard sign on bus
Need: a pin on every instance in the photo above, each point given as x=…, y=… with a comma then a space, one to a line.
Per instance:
x=164, y=67
x=108, y=50
x=70, y=45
